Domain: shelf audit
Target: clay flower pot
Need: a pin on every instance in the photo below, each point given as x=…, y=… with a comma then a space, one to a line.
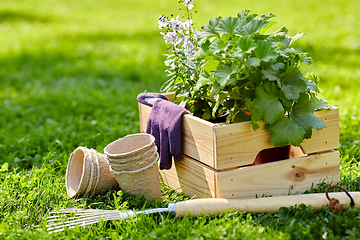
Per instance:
x=88, y=174
x=133, y=161
x=130, y=147
x=144, y=180
x=141, y=162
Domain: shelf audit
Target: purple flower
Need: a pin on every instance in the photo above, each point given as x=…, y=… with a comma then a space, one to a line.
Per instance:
x=175, y=24
x=170, y=37
x=196, y=34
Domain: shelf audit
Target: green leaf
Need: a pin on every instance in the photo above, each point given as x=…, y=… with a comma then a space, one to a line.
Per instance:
x=227, y=25
x=267, y=16
x=246, y=44
x=286, y=131
x=253, y=26
x=4, y=167
x=311, y=85
x=218, y=46
x=232, y=81
x=264, y=29
x=255, y=77
x=243, y=14
x=208, y=30
x=302, y=114
x=238, y=55
x=222, y=74
x=256, y=113
x=305, y=59
x=253, y=62
x=215, y=90
x=279, y=35
x=205, y=46
x=267, y=100
x=211, y=65
x=201, y=81
x=313, y=77
x=290, y=40
x=168, y=84
x=265, y=51
x=269, y=74
x=277, y=66
x=219, y=101
x=318, y=104
x=292, y=83
x=207, y=114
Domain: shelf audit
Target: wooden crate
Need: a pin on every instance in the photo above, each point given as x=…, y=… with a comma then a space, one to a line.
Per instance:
x=213, y=152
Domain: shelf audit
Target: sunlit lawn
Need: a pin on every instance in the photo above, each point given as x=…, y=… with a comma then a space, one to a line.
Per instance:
x=70, y=72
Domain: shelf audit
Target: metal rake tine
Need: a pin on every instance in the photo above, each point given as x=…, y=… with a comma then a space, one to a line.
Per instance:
x=60, y=220
x=61, y=217
x=83, y=220
x=73, y=210
x=76, y=219
x=73, y=223
x=62, y=228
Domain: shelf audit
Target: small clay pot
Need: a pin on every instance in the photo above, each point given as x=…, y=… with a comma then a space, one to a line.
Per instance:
x=144, y=180
x=130, y=146
x=138, y=157
x=142, y=162
x=88, y=174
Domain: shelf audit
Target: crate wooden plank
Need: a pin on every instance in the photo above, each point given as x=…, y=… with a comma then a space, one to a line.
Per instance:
x=280, y=177
x=144, y=112
x=188, y=176
x=198, y=139
x=327, y=138
x=237, y=144
x=225, y=146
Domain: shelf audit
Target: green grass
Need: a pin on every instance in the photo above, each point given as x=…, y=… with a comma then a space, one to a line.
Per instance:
x=70, y=72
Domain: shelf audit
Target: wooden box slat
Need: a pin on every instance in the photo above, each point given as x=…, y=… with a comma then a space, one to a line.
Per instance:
x=276, y=178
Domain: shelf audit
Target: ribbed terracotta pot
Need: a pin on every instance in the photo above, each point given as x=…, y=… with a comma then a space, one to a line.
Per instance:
x=141, y=162
x=144, y=180
x=133, y=161
x=130, y=148
x=88, y=174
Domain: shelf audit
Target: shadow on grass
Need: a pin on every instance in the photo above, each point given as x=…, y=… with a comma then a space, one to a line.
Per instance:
x=15, y=16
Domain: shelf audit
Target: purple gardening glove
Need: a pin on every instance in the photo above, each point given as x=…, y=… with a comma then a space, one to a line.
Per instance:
x=165, y=125
x=149, y=98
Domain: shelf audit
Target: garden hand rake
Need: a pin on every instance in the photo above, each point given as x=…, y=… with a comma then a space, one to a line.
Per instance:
x=197, y=207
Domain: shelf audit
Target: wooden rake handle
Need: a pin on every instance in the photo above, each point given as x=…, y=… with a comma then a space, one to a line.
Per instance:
x=213, y=206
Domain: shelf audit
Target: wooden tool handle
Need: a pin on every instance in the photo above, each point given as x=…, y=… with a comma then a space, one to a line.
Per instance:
x=213, y=206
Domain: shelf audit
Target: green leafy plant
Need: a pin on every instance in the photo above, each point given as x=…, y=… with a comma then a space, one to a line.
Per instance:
x=238, y=68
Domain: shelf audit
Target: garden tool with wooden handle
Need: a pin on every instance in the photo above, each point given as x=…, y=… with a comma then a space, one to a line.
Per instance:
x=196, y=207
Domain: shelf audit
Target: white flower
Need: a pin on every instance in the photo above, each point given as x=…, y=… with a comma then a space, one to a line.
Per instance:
x=170, y=37
x=196, y=34
x=187, y=25
x=175, y=24
x=188, y=4
x=162, y=21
